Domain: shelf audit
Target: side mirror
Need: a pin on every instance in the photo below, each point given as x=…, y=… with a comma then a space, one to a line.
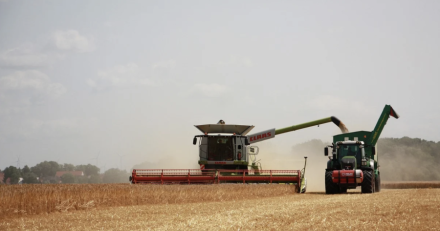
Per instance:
x=325, y=151
x=253, y=150
x=246, y=141
x=373, y=150
x=195, y=141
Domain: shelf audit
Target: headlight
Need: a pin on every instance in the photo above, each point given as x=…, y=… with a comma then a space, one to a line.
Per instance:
x=364, y=162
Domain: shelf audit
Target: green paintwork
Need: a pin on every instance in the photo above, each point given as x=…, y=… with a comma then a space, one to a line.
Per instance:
x=236, y=162
x=360, y=136
x=303, y=184
x=386, y=113
x=240, y=162
x=369, y=138
x=350, y=157
x=304, y=125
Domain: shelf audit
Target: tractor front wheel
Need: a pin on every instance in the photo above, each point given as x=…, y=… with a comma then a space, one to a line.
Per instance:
x=343, y=190
x=330, y=187
x=369, y=182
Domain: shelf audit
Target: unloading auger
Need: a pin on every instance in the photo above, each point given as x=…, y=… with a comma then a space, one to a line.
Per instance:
x=225, y=154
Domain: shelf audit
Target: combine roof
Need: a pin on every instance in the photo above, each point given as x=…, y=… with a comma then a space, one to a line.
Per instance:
x=225, y=128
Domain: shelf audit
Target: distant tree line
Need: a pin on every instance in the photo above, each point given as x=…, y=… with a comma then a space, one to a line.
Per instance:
x=409, y=159
x=45, y=172
x=400, y=159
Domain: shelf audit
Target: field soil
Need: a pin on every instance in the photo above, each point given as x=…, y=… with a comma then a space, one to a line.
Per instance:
x=391, y=209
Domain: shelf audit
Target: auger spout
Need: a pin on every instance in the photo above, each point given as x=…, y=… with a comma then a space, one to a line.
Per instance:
x=333, y=119
x=264, y=135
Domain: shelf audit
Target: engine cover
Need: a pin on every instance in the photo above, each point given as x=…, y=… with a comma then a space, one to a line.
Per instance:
x=347, y=176
x=348, y=162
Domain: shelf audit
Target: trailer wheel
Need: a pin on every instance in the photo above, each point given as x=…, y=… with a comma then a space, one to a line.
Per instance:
x=368, y=183
x=377, y=185
x=330, y=187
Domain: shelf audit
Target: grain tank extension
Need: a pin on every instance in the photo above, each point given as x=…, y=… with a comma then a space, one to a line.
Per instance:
x=354, y=161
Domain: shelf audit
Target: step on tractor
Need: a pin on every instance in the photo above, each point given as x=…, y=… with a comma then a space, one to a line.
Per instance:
x=354, y=160
x=228, y=156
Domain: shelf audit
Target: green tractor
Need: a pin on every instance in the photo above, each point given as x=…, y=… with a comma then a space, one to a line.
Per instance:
x=354, y=161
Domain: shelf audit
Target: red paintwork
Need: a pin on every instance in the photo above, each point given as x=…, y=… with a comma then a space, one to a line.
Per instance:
x=197, y=176
x=347, y=177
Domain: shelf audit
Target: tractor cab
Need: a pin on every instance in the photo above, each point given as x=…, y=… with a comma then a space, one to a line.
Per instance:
x=350, y=154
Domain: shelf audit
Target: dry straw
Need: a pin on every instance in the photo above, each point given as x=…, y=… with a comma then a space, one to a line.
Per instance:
x=391, y=209
x=18, y=200
x=410, y=184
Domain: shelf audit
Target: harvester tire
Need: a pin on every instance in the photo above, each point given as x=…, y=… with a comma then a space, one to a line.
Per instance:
x=330, y=187
x=377, y=183
x=369, y=182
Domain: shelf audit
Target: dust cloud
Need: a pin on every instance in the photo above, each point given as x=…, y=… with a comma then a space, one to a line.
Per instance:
x=403, y=159
x=316, y=162
x=408, y=159
x=400, y=159
x=169, y=162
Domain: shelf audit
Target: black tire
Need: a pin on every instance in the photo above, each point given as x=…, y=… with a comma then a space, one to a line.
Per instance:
x=343, y=190
x=330, y=187
x=377, y=183
x=368, y=183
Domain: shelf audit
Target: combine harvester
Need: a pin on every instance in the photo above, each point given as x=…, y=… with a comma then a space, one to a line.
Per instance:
x=354, y=160
x=225, y=154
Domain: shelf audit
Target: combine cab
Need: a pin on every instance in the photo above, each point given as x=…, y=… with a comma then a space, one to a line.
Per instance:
x=224, y=146
x=226, y=156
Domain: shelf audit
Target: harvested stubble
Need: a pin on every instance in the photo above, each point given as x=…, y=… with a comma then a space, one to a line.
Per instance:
x=19, y=200
x=404, y=209
x=410, y=184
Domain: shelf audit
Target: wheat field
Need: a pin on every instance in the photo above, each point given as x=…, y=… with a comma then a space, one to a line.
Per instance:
x=20, y=200
x=410, y=184
x=223, y=207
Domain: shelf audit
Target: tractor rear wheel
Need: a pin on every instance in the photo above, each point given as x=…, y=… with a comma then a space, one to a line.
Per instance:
x=377, y=185
x=368, y=183
x=330, y=187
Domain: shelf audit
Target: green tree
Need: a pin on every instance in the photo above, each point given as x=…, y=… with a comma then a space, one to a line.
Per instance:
x=67, y=178
x=115, y=175
x=409, y=159
x=67, y=167
x=46, y=168
x=88, y=169
x=25, y=170
x=81, y=179
x=30, y=178
x=12, y=173
x=95, y=179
